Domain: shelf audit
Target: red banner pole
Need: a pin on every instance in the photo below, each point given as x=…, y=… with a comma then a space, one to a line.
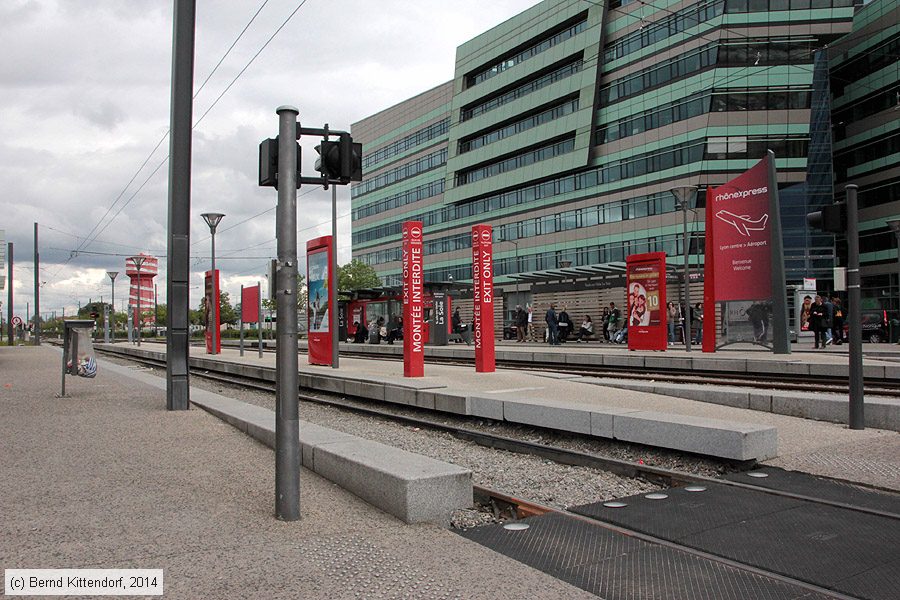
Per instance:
x=483, y=295
x=413, y=301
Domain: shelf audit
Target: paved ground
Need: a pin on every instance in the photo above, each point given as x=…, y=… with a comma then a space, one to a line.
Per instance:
x=107, y=478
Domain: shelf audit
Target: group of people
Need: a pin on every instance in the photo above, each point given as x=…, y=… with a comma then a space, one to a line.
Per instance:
x=825, y=318
x=675, y=322
x=377, y=330
x=560, y=326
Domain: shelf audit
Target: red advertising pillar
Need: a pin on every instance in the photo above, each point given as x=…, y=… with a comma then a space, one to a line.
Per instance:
x=646, y=301
x=483, y=295
x=318, y=280
x=213, y=319
x=413, y=301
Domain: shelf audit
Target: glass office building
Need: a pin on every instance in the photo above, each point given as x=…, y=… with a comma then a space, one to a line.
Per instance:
x=566, y=127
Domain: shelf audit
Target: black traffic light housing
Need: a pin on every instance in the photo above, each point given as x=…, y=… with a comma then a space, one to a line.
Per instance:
x=832, y=218
x=268, y=163
x=340, y=161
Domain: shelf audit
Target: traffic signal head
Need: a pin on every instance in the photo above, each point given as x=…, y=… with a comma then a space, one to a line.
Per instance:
x=341, y=161
x=832, y=218
x=268, y=163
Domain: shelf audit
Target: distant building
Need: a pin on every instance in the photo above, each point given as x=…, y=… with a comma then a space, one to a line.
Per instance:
x=566, y=127
x=142, y=283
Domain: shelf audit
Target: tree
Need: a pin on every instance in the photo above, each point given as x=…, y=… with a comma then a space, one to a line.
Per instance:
x=357, y=275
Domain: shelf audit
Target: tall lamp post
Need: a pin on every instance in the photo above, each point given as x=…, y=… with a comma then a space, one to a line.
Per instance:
x=894, y=224
x=212, y=219
x=139, y=263
x=112, y=303
x=684, y=196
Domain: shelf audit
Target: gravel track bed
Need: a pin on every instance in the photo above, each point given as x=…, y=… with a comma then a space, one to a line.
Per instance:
x=527, y=477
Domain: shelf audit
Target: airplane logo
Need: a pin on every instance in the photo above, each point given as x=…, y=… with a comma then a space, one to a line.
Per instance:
x=743, y=223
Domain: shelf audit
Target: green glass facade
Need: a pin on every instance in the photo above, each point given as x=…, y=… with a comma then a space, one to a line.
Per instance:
x=566, y=126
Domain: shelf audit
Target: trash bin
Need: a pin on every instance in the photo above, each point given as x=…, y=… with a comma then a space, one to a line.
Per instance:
x=894, y=332
x=78, y=356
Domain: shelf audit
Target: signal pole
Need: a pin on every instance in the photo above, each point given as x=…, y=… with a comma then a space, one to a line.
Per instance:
x=857, y=415
x=9, y=301
x=37, y=290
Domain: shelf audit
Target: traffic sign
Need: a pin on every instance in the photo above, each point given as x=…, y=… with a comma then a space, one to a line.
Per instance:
x=17, y=321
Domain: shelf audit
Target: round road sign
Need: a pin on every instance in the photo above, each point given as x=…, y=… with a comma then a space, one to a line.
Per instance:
x=17, y=321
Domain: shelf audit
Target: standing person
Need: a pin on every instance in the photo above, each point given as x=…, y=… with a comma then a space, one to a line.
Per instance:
x=804, y=313
x=521, y=324
x=672, y=317
x=697, y=322
x=552, y=326
x=612, y=324
x=829, y=318
x=604, y=319
x=837, y=328
x=530, y=310
x=565, y=325
x=817, y=321
x=456, y=321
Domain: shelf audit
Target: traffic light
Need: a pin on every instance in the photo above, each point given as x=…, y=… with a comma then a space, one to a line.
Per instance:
x=340, y=161
x=832, y=218
x=268, y=163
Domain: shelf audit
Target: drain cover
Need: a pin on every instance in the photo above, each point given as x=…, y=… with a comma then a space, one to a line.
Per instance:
x=695, y=488
x=656, y=496
x=615, y=504
x=516, y=526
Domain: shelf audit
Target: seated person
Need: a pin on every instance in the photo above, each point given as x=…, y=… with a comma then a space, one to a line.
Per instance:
x=586, y=331
x=362, y=333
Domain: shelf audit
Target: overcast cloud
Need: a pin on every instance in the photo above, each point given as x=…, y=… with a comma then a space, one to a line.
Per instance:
x=85, y=98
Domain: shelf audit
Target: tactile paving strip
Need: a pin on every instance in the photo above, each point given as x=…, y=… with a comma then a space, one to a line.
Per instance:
x=823, y=545
x=618, y=567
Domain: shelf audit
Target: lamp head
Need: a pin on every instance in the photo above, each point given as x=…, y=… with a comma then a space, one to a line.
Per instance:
x=683, y=195
x=212, y=219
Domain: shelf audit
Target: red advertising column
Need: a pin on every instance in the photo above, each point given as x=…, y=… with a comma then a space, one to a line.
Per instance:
x=413, y=301
x=483, y=296
x=212, y=311
x=646, y=301
x=318, y=278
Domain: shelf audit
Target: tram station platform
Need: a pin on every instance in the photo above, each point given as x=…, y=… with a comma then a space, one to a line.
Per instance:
x=578, y=405
x=107, y=478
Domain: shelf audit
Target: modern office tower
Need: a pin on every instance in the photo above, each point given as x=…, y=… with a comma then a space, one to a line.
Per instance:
x=567, y=126
x=865, y=90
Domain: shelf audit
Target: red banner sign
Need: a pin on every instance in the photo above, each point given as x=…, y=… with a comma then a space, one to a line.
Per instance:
x=646, y=301
x=738, y=220
x=413, y=301
x=211, y=309
x=483, y=294
x=318, y=281
x=250, y=304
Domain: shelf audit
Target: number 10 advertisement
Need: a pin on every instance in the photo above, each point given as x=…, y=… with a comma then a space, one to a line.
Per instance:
x=646, y=301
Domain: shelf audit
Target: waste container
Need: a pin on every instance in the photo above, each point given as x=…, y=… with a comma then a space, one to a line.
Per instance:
x=78, y=357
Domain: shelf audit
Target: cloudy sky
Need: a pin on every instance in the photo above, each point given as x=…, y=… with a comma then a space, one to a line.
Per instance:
x=85, y=100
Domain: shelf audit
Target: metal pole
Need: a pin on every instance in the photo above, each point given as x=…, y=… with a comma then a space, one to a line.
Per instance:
x=155, y=311
x=105, y=324
x=857, y=416
x=37, y=290
x=242, y=321
x=9, y=293
x=687, y=279
x=259, y=317
x=781, y=339
x=139, y=263
x=214, y=310
x=112, y=278
x=178, y=255
x=333, y=285
x=287, y=425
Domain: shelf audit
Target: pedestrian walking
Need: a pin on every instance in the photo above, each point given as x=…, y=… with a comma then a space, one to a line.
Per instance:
x=552, y=326
x=604, y=320
x=837, y=328
x=697, y=322
x=829, y=318
x=521, y=322
x=673, y=317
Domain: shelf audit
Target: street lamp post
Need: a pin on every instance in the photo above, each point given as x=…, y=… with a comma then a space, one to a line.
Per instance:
x=894, y=224
x=139, y=263
x=212, y=219
x=683, y=197
x=112, y=303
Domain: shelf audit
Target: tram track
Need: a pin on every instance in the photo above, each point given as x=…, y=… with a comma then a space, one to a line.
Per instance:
x=626, y=468
x=788, y=382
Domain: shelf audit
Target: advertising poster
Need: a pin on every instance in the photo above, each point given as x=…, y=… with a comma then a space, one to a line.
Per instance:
x=741, y=233
x=483, y=296
x=317, y=308
x=413, y=301
x=646, y=289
